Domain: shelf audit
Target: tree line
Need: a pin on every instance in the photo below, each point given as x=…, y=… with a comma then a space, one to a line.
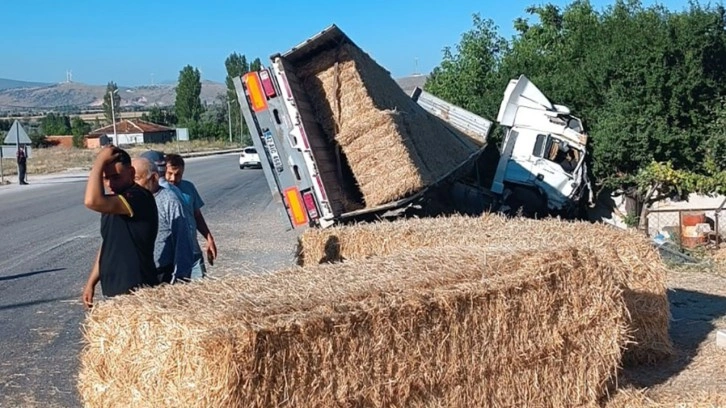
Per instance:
x=206, y=122
x=648, y=83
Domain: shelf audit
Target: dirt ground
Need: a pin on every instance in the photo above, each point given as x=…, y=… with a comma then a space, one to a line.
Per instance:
x=696, y=375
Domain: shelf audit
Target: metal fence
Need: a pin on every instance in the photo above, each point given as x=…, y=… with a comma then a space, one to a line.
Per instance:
x=667, y=223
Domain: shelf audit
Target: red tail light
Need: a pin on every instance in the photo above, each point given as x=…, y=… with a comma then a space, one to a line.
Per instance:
x=310, y=205
x=267, y=84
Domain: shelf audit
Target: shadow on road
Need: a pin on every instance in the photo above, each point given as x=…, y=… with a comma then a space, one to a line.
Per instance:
x=692, y=319
x=36, y=302
x=26, y=274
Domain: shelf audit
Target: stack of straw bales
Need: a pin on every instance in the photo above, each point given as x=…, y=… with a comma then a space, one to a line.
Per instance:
x=393, y=146
x=636, y=264
x=450, y=326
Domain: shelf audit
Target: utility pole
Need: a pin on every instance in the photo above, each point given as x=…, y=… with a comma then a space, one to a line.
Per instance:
x=113, y=117
x=229, y=119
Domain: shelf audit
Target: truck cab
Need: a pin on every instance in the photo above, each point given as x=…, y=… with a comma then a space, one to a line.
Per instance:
x=543, y=153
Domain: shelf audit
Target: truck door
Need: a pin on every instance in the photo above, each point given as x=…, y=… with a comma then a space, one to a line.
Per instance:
x=552, y=173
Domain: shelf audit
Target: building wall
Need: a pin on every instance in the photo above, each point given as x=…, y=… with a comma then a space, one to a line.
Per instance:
x=92, y=143
x=64, y=141
x=134, y=138
x=159, y=137
x=127, y=139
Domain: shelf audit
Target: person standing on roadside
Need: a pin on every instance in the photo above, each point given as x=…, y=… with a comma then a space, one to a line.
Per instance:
x=129, y=224
x=174, y=175
x=22, y=162
x=173, y=251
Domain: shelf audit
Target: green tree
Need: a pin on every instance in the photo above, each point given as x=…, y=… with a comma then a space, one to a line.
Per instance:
x=37, y=139
x=256, y=65
x=79, y=128
x=188, y=105
x=55, y=124
x=236, y=65
x=469, y=75
x=159, y=116
x=647, y=83
x=111, y=89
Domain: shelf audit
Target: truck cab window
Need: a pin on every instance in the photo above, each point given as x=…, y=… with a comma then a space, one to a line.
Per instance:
x=539, y=145
x=552, y=149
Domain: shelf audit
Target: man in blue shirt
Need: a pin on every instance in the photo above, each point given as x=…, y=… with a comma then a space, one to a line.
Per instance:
x=174, y=175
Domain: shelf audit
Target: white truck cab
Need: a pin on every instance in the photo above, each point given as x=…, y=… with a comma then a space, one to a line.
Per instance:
x=544, y=148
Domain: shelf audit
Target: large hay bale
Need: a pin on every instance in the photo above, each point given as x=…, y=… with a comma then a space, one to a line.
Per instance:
x=630, y=397
x=441, y=327
x=637, y=264
x=393, y=146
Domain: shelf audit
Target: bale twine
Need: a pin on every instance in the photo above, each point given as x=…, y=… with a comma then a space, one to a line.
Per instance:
x=637, y=265
x=437, y=327
x=393, y=146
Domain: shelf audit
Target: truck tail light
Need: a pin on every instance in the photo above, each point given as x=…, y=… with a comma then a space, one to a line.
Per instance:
x=310, y=205
x=254, y=87
x=267, y=84
x=297, y=211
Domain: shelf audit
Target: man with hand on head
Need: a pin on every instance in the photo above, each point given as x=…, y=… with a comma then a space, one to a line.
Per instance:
x=173, y=250
x=129, y=224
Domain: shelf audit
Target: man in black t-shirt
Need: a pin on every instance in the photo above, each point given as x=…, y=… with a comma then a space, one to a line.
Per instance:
x=129, y=224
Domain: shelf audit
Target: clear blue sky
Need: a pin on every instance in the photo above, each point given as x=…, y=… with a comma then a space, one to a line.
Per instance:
x=128, y=41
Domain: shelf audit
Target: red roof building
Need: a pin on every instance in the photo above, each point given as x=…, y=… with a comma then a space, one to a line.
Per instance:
x=131, y=132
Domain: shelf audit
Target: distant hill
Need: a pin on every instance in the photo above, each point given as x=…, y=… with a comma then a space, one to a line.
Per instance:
x=83, y=95
x=11, y=83
x=74, y=94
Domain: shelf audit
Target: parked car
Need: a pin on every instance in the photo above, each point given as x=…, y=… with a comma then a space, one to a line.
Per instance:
x=249, y=158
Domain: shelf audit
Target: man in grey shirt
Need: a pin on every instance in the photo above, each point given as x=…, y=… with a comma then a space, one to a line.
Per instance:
x=191, y=197
x=173, y=250
x=190, y=213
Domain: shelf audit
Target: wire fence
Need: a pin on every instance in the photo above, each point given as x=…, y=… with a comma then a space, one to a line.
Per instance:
x=688, y=228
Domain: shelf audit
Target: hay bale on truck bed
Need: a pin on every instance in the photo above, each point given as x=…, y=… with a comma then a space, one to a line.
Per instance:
x=637, y=265
x=393, y=146
x=440, y=327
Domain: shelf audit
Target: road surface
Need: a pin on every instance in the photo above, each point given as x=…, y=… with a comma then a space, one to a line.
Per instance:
x=48, y=240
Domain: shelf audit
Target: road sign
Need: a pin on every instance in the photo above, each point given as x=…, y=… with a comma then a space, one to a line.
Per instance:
x=182, y=134
x=9, y=152
x=17, y=135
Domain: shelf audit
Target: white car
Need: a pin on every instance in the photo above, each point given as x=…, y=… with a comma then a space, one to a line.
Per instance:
x=249, y=158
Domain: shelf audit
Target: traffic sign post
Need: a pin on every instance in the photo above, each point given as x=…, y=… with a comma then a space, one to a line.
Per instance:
x=18, y=135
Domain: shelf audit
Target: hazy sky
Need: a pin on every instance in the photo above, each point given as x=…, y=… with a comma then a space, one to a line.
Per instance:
x=134, y=42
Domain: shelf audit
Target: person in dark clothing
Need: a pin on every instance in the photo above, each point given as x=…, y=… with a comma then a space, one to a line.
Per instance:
x=104, y=140
x=22, y=158
x=569, y=163
x=129, y=224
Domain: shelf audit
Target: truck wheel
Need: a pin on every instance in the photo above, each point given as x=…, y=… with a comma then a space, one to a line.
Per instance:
x=531, y=203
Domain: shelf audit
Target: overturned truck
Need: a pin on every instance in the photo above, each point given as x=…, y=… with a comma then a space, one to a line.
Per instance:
x=340, y=141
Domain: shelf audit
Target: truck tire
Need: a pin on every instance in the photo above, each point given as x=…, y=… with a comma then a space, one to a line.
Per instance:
x=530, y=202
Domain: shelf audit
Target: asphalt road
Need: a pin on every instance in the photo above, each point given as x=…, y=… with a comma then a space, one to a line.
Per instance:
x=48, y=240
